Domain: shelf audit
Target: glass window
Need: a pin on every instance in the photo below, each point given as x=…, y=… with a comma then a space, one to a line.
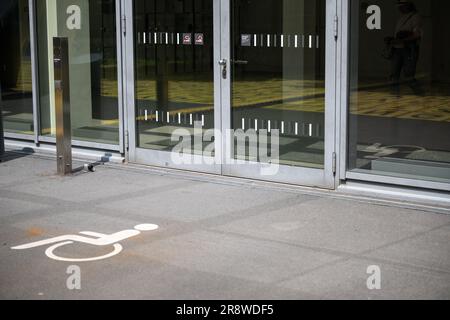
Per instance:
x=16, y=100
x=90, y=26
x=399, y=122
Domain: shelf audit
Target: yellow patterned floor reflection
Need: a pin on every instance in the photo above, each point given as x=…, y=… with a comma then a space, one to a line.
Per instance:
x=378, y=103
x=304, y=96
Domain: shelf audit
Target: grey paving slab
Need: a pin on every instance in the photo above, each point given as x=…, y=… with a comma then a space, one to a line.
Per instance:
x=216, y=240
x=163, y=281
x=77, y=221
x=136, y=278
x=10, y=207
x=427, y=250
x=87, y=186
x=238, y=257
x=348, y=280
x=25, y=169
x=197, y=201
x=337, y=225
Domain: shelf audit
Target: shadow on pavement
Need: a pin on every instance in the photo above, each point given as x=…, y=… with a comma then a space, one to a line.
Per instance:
x=16, y=154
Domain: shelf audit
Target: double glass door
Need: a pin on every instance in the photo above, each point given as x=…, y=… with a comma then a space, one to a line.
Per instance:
x=234, y=87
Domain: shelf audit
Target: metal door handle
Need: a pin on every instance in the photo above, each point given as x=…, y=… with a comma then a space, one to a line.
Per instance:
x=241, y=62
x=223, y=63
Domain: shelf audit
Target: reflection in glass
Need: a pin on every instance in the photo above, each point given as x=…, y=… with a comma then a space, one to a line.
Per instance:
x=16, y=84
x=279, y=75
x=400, y=90
x=173, y=69
x=90, y=26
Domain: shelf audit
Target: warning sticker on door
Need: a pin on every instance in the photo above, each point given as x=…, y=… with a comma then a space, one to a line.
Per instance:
x=187, y=38
x=246, y=40
x=199, y=39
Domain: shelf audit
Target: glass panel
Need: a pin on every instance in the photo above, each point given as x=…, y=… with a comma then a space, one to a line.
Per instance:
x=16, y=100
x=400, y=89
x=279, y=75
x=90, y=26
x=174, y=70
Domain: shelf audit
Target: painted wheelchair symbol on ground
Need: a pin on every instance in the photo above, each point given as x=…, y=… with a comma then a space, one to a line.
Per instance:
x=98, y=239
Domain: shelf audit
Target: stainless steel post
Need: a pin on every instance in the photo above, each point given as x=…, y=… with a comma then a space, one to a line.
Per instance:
x=62, y=106
x=2, y=136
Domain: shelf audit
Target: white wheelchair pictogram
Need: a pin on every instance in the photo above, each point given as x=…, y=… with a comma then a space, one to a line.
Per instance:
x=91, y=238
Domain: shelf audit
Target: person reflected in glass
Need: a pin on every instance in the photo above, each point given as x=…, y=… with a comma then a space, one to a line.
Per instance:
x=405, y=46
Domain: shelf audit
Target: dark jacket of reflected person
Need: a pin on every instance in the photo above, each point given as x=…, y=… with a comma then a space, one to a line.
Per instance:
x=405, y=46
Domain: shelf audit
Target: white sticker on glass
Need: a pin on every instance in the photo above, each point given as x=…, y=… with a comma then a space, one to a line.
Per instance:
x=74, y=19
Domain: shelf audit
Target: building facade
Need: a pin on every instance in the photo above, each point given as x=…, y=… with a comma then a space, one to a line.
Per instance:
x=348, y=91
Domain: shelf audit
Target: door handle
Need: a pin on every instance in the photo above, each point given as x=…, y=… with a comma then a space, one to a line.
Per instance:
x=223, y=63
x=240, y=62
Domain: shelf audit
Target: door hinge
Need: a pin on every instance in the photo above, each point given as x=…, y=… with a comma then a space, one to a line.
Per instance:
x=336, y=27
x=124, y=25
x=127, y=140
x=334, y=163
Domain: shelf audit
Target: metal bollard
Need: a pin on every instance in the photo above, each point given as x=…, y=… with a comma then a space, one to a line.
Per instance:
x=2, y=136
x=62, y=106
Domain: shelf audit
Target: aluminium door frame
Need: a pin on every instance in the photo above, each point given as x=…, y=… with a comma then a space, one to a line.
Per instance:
x=164, y=158
x=320, y=178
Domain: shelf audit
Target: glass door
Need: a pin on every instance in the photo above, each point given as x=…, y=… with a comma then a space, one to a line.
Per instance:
x=172, y=84
x=235, y=87
x=280, y=96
